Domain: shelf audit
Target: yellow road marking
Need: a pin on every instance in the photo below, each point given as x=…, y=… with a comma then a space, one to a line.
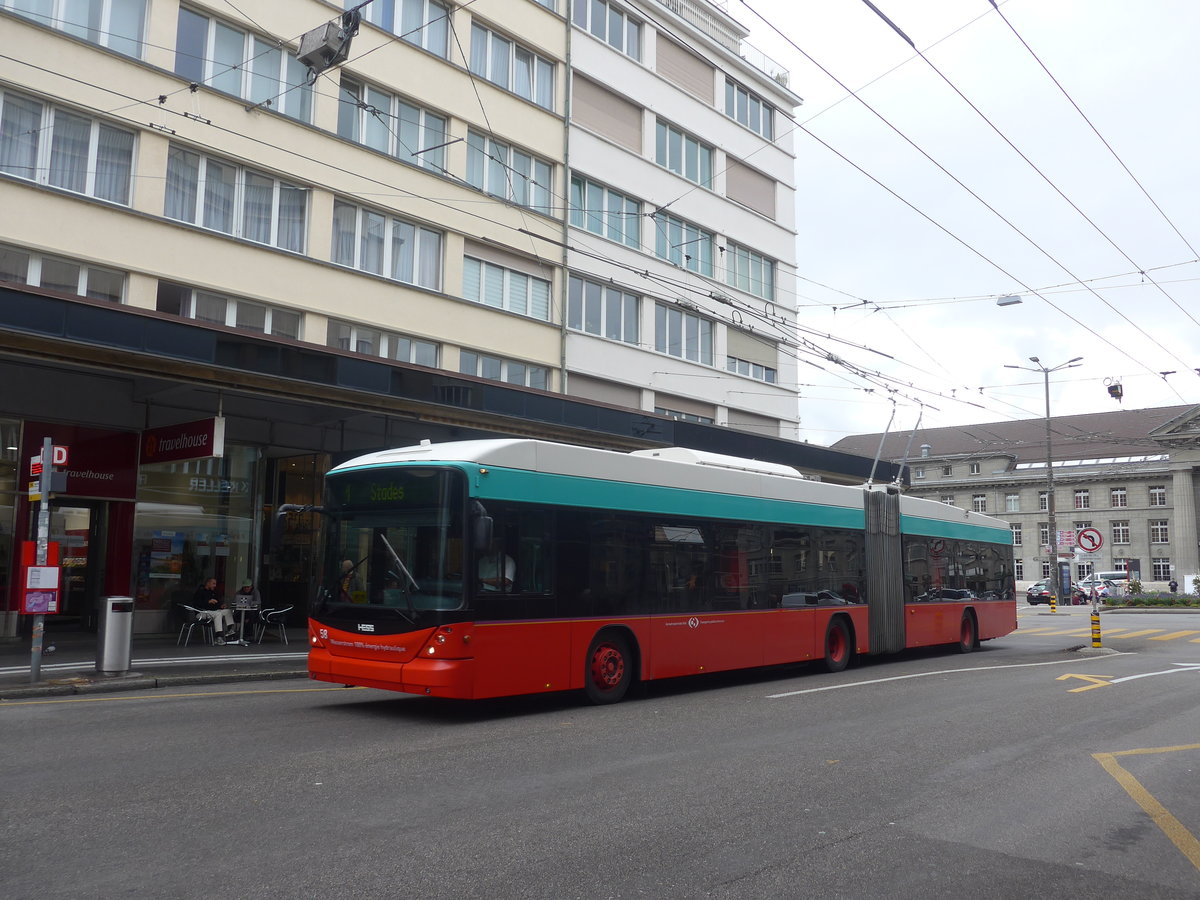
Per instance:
x=155, y=695
x=1097, y=681
x=1142, y=633
x=1183, y=839
x=1173, y=635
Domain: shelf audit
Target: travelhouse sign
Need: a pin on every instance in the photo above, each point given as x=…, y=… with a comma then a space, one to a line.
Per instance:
x=190, y=440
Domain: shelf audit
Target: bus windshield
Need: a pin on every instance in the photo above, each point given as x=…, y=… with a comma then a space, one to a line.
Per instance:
x=395, y=544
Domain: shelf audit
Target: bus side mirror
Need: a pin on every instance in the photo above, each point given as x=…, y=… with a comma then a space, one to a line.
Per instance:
x=482, y=532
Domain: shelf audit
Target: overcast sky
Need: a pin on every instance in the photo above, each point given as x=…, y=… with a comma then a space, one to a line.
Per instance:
x=1132, y=68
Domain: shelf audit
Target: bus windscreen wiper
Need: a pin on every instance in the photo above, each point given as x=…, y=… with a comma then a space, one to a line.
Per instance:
x=412, y=612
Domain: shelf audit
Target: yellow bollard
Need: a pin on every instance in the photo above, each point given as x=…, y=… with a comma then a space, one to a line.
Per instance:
x=1053, y=602
x=1095, y=625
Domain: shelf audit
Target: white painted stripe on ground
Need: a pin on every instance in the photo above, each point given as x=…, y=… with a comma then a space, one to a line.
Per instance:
x=158, y=661
x=854, y=684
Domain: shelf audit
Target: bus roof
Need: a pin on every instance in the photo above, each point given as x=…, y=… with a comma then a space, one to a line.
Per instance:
x=671, y=467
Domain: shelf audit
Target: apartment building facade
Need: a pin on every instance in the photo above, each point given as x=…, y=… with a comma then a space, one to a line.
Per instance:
x=1129, y=474
x=209, y=247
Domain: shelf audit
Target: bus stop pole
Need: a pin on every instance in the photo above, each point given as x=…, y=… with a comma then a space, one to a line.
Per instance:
x=43, y=549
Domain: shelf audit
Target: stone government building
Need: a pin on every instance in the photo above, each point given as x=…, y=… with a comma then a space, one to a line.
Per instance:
x=1129, y=473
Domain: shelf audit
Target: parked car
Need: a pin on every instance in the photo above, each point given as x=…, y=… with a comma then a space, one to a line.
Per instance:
x=1039, y=592
x=1083, y=591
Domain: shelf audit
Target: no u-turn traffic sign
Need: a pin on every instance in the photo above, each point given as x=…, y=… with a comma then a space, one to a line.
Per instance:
x=1089, y=540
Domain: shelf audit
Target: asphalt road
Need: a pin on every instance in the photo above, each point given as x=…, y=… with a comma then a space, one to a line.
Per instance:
x=998, y=774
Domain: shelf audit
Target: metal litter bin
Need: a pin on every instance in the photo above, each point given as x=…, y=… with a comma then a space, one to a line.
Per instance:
x=115, y=644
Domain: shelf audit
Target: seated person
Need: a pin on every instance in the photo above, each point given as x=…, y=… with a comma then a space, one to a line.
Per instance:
x=248, y=596
x=209, y=603
x=496, y=570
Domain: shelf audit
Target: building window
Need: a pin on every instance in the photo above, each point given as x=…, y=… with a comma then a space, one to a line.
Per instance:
x=683, y=334
x=494, y=285
x=1016, y=533
x=209, y=52
x=1083, y=499
x=372, y=342
x=1158, y=495
x=948, y=499
x=918, y=472
x=979, y=503
x=233, y=312
x=1159, y=531
x=749, y=109
x=511, y=66
x=1120, y=532
x=1118, y=498
x=974, y=470
x=509, y=370
x=1043, y=500
x=390, y=125
x=1079, y=526
x=751, y=369
x=422, y=23
x=602, y=310
x=504, y=171
x=947, y=471
x=749, y=271
x=1083, y=570
x=683, y=154
x=1045, y=570
x=605, y=212
x=610, y=24
x=1012, y=502
x=683, y=244
x=53, y=146
x=58, y=274
x=116, y=24
x=1019, y=570
x=684, y=416
x=216, y=194
x=1161, y=567
x=1043, y=534
x=1120, y=564
x=385, y=245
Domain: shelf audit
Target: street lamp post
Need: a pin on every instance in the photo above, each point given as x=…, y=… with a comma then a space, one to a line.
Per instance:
x=1061, y=585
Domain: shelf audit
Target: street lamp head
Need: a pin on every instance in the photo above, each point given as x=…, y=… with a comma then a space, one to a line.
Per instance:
x=1034, y=359
x=1075, y=360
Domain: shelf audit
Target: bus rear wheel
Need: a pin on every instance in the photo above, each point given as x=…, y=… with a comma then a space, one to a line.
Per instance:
x=837, y=646
x=966, y=634
x=609, y=669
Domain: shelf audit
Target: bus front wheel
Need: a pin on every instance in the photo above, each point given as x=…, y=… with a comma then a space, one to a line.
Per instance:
x=966, y=634
x=609, y=669
x=837, y=646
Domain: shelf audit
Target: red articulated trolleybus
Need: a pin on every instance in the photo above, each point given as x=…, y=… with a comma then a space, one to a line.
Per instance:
x=491, y=568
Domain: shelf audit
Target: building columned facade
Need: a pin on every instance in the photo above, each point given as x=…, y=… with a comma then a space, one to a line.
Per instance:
x=221, y=273
x=1130, y=475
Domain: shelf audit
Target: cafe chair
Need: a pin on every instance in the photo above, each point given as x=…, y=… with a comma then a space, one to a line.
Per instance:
x=273, y=619
x=192, y=619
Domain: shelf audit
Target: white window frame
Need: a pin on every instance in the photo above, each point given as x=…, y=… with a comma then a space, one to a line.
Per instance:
x=754, y=370
x=685, y=155
x=1043, y=501
x=40, y=151
x=1083, y=498
x=355, y=338
x=628, y=30
x=1118, y=498
x=749, y=109
x=503, y=288
x=102, y=21
x=386, y=122
x=1158, y=495
x=264, y=74
x=1016, y=533
x=603, y=310
x=509, y=371
x=1019, y=569
x=1120, y=531
x=375, y=236
x=193, y=298
x=510, y=173
x=35, y=265
x=684, y=244
x=974, y=468
x=948, y=499
x=1012, y=502
x=1160, y=568
x=422, y=23
x=979, y=503
x=749, y=271
x=603, y=211
x=284, y=195
x=496, y=58
x=1160, y=531
x=918, y=472
x=683, y=334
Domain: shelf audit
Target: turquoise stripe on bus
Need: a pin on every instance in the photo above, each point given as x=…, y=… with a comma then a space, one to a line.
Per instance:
x=916, y=525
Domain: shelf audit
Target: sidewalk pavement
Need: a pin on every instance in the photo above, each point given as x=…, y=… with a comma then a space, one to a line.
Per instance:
x=156, y=661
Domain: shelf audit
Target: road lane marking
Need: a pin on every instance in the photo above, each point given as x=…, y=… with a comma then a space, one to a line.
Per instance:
x=1142, y=633
x=854, y=684
x=156, y=695
x=1183, y=839
x=1103, y=680
x=1096, y=681
x=1173, y=635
